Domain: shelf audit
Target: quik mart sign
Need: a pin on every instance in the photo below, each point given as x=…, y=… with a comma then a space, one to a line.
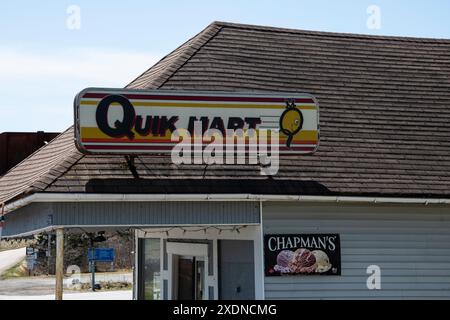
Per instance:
x=121, y=121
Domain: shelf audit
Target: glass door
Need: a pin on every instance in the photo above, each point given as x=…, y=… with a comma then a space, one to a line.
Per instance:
x=191, y=278
x=199, y=279
x=187, y=266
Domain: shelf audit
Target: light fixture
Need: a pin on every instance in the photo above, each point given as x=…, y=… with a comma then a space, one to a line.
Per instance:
x=100, y=237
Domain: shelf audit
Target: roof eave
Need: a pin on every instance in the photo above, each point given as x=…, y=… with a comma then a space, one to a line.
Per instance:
x=91, y=197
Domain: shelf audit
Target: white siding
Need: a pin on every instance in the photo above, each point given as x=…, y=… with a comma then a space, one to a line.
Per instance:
x=411, y=245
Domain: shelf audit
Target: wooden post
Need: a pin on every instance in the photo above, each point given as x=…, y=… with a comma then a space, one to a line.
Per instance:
x=59, y=269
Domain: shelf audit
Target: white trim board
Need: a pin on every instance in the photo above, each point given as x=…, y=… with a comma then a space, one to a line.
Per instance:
x=89, y=197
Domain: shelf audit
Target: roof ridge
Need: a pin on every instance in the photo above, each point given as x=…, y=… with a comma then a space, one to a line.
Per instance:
x=329, y=33
x=211, y=31
x=181, y=55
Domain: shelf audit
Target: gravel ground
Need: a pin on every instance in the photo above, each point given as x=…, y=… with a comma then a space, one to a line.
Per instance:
x=43, y=288
x=105, y=295
x=38, y=286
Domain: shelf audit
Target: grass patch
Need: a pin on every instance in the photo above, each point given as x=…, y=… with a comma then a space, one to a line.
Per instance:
x=104, y=286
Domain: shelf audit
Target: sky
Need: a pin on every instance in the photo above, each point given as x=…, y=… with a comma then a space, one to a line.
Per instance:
x=52, y=49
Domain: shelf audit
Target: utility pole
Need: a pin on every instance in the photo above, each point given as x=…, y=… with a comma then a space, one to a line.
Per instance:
x=59, y=272
x=49, y=253
x=92, y=264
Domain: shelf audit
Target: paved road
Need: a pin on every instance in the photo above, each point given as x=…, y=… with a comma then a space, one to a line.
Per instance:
x=10, y=258
x=43, y=287
x=30, y=286
x=102, y=295
x=27, y=286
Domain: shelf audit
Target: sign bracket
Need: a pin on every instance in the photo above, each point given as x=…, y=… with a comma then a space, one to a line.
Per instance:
x=131, y=165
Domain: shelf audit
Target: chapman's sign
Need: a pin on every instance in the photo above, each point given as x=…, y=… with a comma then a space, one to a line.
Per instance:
x=122, y=121
x=302, y=254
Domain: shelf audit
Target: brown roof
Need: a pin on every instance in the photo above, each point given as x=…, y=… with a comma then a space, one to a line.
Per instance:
x=384, y=106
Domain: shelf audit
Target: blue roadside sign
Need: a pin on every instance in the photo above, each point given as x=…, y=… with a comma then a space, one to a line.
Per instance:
x=101, y=254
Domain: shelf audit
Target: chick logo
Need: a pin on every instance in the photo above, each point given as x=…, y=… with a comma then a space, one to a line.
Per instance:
x=291, y=121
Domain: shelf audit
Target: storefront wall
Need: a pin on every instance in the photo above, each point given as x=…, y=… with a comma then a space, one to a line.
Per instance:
x=410, y=244
x=231, y=256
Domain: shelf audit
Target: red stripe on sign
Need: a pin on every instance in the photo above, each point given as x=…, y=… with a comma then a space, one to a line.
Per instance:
x=293, y=154
x=297, y=148
x=106, y=147
x=128, y=141
x=196, y=98
x=112, y=140
x=103, y=147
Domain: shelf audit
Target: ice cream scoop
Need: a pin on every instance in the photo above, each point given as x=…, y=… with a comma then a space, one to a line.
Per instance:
x=303, y=261
x=322, y=260
x=284, y=258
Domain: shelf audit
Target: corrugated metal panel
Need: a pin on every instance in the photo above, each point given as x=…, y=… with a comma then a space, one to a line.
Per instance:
x=155, y=213
x=411, y=245
x=36, y=216
x=32, y=217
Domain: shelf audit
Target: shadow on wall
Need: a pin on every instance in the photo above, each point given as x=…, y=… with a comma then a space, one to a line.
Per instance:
x=178, y=186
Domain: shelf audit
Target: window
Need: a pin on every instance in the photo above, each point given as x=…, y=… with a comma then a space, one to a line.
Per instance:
x=151, y=269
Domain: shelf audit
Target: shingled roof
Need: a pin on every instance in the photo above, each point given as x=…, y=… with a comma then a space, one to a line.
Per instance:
x=384, y=106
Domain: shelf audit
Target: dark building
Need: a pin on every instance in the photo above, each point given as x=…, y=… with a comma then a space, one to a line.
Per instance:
x=16, y=146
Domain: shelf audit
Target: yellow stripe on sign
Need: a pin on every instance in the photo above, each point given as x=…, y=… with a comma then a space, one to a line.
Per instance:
x=305, y=135
x=202, y=105
x=96, y=133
